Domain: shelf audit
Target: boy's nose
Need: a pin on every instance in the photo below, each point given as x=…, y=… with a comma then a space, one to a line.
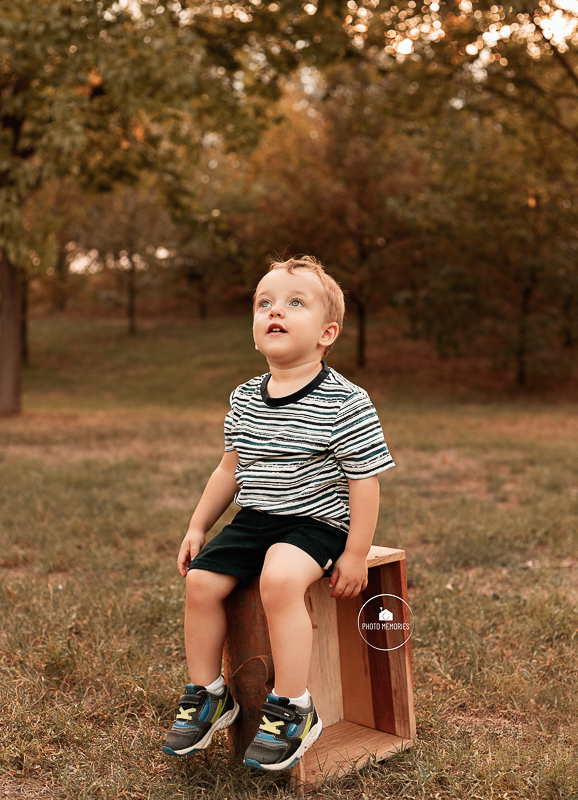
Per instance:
x=274, y=311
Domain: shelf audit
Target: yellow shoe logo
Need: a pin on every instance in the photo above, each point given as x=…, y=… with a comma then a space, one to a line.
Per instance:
x=269, y=726
x=186, y=714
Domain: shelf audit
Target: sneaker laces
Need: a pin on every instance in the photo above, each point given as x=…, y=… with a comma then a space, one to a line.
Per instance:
x=192, y=703
x=287, y=714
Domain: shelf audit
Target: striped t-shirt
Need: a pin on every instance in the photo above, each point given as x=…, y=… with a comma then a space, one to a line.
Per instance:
x=296, y=453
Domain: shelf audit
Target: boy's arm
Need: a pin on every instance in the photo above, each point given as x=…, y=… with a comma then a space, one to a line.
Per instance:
x=349, y=575
x=217, y=497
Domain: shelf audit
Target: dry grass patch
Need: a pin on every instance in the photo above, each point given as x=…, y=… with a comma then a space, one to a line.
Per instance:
x=58, y=438
x=449, y=471
x=93, y=505
x=14, y=789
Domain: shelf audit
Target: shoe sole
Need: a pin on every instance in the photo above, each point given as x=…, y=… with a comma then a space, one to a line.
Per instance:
x=310, y=739
x=223, y=722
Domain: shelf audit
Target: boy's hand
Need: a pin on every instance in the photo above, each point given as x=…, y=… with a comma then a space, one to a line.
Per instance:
x=193, y=543
x=349, y=575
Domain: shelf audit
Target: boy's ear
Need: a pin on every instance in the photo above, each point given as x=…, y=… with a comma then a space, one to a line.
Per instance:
x=330, y=334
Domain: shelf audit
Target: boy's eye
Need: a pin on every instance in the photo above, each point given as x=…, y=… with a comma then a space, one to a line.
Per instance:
x=296, y=302
x=264, y=303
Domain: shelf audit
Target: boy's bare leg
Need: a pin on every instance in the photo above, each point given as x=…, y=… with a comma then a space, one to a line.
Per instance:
x=286, y=574
x=205, y=623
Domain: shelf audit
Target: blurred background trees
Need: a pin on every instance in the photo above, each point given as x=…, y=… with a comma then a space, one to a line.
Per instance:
x=424, y=151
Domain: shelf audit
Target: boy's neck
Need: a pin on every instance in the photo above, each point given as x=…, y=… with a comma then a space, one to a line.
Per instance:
x=286, y=380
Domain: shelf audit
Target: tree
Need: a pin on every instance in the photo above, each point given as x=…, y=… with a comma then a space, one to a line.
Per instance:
x=103, y=91
x=523, y=54
x=205, y=249
x=515, y=67
x=125, y=228
x=339, y=180
x=107, y=91
x=55, y=220
x=69, y=74
x=500, y=256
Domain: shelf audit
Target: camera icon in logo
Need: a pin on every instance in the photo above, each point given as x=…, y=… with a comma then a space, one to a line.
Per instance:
x=382, y=628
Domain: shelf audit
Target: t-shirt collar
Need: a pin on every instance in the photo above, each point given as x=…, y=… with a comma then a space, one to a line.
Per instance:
x=299, y=395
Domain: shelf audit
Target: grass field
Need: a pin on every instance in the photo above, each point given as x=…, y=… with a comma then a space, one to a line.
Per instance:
x=98, y=479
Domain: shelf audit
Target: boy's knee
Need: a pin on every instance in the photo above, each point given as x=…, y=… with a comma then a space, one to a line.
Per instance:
x=277, y=585
x=196, y=581
x=206, y=586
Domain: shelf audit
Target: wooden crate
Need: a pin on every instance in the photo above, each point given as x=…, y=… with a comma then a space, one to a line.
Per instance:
x=363, y=694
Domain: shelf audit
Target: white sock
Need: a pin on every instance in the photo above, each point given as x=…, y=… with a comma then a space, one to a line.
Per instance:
x=216, y=687
x=297, y=701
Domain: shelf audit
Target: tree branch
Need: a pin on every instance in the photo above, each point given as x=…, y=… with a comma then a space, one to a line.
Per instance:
x=557, y=54
x=553, y=120
x=533, y=84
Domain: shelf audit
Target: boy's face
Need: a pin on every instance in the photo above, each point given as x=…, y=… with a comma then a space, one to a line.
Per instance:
x=289, y=325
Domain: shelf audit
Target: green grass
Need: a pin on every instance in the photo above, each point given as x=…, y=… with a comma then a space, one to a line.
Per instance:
x=97, y=482
x=164, y=365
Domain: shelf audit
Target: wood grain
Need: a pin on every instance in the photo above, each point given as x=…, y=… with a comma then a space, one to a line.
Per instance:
x=247, y=637
x=325, y=671
x=380, y=683
x=346, y=746
x=383, y=555
x=355, y=669
x=392, y=581
x=363, y=695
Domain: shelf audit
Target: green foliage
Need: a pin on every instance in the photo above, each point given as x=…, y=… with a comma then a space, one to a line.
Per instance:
x=427, y=154
x=104, y=91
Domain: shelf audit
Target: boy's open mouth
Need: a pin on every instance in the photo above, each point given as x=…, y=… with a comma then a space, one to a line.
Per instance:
x=274, y=327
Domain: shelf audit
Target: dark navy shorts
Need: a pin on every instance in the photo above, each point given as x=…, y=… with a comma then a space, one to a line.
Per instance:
x=240, y=548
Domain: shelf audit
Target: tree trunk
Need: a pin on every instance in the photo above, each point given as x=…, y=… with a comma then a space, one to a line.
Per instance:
x=522, y=350
x=24, y=339
x=202, y=297
x=568, y=340
x=361, y=332
x=131, y=308
x=61, y=272
x=10, y=337
x=413, y=313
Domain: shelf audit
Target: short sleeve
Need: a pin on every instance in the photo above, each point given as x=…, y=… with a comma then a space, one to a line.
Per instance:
x=230, y=421
x=357, y=439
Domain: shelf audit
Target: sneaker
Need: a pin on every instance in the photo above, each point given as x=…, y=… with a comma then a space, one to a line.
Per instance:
x=201, y=713
x=285, y=733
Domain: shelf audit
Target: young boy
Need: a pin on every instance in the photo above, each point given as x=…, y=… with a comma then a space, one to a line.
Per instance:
x=303, y=448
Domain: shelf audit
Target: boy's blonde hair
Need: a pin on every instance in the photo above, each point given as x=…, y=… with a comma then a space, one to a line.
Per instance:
x=333, y=299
